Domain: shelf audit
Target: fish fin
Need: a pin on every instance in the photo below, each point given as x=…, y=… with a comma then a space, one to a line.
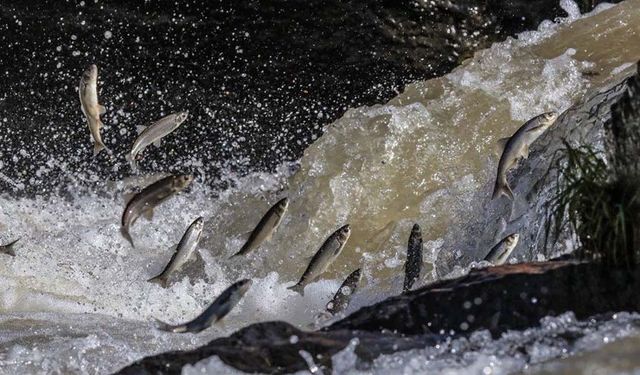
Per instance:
x=8, y=248
x=125, y=233
x=502, y=189
x=97, y=147
x=148, y=214
x=102, y=109
x=157, y=143
x=535, y=128
x=298, y=288
x=500, y=145
x=140, y=128
x=525, y=152
x=160, y=280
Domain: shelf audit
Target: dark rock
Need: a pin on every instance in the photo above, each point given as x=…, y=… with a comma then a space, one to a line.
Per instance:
x=500, y=298
x=260, y=78
x=274, y=347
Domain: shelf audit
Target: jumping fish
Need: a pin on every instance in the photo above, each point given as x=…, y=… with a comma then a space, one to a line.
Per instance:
x=183, y=252
x=414, y=258
x=88, y=92
x=154, y=133
x=516, y=147
x=216, y=311
x=342, y=297
x=499, y=254
x=146, y=200
x=266, y=227
x=327, y=253
x=8, y=248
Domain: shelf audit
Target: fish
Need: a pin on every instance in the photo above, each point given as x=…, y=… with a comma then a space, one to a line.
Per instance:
x=516, y=147
x=148, y=198
x=265, y=228
x=327, y=253
x=341, y=299
x=90, y=107
x=499, y=254
x=8, y=248
x=153, y=134
x=220, y=307
x=183, y=253
x=413, y=264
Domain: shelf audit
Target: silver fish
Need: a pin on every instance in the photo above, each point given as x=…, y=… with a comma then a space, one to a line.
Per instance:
x=216, y=311
x=516, y=147
x=341, y=299
x=146, y=200
x=327, y=253
x=266, y=227
x=184, y=250
x=414, y=258
x=154, y=133
x=8, y=248
x=499, y=254
x=91, y=109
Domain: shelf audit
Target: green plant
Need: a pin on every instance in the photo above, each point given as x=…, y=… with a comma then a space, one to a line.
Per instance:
x=600, y=208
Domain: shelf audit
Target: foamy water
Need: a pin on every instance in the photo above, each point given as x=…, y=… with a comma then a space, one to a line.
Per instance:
x=75, y=298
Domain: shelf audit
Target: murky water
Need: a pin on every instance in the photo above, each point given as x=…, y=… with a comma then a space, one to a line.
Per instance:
x=75, y=298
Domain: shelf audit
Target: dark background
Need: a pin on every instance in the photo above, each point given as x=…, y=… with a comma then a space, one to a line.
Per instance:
x=260, y=78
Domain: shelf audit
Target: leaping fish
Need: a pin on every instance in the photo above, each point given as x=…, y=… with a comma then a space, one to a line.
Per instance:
x=266, y=227
x=414, y=258
x=216, y=311
x=146, y=200
x=154, y=133
x=341, y=299
x=184, y=250
x=8, y=248
x=516, y=147
x=499, y=254
x=327, y=253
x=91, y=109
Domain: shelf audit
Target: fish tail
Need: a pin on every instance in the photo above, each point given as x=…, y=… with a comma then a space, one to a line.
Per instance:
x=502, y=188
x=132, y=161
x=170, y=328
x=125, y=233
x=97, y=147
x=408, y=283
x=299, y=288
x=160, y=280
x=242, y=251
x=8, y=248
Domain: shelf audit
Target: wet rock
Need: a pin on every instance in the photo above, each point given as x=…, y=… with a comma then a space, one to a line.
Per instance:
x=274, y=347
x=498, y=299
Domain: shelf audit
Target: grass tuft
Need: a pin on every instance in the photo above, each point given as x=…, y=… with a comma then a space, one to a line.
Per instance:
x=602, y=210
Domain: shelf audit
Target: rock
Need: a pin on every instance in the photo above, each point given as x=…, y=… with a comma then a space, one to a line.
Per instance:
x=498, y=299
x=273, y=347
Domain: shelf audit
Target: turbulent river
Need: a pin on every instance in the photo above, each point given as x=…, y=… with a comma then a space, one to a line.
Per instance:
x=75, y=298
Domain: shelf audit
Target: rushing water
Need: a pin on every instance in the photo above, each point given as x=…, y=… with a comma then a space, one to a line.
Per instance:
x=75, y=298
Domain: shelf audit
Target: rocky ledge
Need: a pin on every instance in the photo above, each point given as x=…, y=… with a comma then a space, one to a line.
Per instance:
x=497, y=299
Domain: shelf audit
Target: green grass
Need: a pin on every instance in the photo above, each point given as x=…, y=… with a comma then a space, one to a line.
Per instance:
x=600, y=208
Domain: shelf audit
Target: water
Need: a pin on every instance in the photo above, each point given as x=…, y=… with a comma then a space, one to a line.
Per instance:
x=75, y=297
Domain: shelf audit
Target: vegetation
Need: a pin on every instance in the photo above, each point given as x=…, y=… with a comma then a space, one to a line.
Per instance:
x=600, y=208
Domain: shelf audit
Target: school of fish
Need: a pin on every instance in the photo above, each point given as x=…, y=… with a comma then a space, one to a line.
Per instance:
x=514, y=149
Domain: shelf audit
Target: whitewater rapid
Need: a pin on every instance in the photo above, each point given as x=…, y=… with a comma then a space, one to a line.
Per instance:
x=75, y=298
